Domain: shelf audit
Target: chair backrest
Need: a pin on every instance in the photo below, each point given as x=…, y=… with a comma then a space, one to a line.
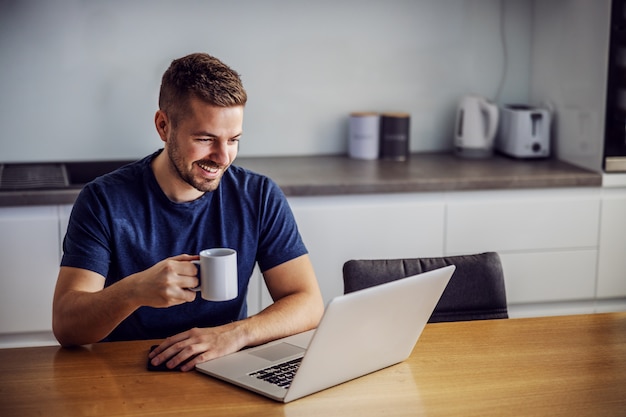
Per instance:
x=475, y=291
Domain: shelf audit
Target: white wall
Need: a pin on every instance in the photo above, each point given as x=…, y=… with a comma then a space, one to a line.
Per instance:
x=79, y=79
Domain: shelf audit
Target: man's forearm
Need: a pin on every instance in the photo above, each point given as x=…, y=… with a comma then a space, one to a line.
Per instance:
x=295, y=313
x=298, y=305
x=87, y=317
x=86, y=312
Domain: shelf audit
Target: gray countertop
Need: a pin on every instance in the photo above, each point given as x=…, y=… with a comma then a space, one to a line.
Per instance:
x=337, y=175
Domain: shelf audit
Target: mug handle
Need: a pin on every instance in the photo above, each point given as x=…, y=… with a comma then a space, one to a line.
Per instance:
x=199, y=287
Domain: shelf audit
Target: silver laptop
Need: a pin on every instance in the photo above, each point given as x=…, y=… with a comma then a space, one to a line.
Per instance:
x=360, y=332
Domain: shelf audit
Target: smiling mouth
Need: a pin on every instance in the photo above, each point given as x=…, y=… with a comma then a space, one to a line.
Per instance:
x=210, y=168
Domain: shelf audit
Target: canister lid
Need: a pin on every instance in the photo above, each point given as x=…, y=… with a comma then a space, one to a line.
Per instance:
x=399, y=115
x=363, y=114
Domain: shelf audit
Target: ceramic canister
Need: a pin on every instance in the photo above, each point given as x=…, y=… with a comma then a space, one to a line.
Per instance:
x=394, y=136
x=363, y=135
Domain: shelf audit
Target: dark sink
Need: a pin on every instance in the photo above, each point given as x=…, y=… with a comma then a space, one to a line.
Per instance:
x=47, y=176
x=80, y=173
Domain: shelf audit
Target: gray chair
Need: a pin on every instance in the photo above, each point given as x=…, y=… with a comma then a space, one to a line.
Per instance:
x=475, y=291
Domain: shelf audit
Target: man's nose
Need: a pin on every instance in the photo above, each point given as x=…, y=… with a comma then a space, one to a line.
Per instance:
x=219, y=153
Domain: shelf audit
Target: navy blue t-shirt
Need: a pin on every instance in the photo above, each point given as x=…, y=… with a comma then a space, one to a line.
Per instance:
x=123, y=223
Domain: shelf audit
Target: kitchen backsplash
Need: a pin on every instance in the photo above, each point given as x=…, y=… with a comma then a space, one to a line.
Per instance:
x=80, y=80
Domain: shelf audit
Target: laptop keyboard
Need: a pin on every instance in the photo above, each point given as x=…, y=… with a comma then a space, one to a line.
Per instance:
x=280, y=374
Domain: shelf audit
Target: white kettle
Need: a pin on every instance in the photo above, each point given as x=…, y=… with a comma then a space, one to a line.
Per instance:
x=476, y=127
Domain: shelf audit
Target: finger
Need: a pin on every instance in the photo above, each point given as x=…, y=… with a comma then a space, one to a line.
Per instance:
x=176, y=294
x=189, y=281
x=160, y=353
x=201, y=356
x=184, y=273
x=183, y=358
x=163, y=357
x=153, y=353
x=188, y=273
x=189, y=295
x=190, y=365
x=157, y=351
x=185, y=258
x=183, y=350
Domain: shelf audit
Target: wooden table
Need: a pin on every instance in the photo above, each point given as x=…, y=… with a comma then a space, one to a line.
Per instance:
x=551, y=366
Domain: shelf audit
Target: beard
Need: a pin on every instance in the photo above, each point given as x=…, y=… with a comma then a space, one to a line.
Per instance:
x=185, y=173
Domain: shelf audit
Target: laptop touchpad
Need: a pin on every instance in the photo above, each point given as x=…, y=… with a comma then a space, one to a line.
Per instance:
x=277, y=351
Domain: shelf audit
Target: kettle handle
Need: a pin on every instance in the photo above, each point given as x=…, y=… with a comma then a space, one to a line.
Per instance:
x=492, y=115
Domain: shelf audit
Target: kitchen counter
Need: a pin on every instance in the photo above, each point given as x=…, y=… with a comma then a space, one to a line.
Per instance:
x=332, y=175
x=340, y=175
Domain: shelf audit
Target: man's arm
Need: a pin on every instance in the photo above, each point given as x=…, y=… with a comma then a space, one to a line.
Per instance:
x=83, y=311
x=297, y=307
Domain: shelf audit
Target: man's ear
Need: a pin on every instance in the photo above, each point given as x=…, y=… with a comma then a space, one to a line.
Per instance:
x=162, y=124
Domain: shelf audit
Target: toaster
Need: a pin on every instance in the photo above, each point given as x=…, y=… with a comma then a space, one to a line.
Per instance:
x=524, y=132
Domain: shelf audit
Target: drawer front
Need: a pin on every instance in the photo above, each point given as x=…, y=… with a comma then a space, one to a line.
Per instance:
x=549, y=276
x=388, y=226
x=522, y=221
x=29, y=264
x=612, y=258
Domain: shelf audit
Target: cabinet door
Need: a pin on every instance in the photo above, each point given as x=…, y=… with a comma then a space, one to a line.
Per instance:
x=258, y=296
x=549, y=276
x=612, y=256
x=338, y=228
x=29, y=263
x=547, y=239
x=523, y=220
x=64, y=218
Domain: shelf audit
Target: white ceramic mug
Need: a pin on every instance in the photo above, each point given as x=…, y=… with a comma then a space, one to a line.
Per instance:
x=218, y=274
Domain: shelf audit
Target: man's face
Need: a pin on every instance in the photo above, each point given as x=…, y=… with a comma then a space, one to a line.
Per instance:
x=204, y=144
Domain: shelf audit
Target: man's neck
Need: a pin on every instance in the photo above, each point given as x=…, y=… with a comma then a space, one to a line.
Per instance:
x=170, y=182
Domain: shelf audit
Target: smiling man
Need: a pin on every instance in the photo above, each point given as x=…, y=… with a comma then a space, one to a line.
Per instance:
x=127, y=268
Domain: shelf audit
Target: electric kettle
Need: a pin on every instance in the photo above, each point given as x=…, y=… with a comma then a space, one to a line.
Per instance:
x=476, y=127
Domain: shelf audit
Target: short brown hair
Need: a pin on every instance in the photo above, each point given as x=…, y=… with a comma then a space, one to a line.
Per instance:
x=202, y=76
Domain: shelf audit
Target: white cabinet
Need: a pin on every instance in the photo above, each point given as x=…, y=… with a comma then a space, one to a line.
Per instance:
x=547, y=239
x=562, y=250
x=612, y=258
x=258, y=296
x=523, y=220
x=338, y=228
x=554, y=276
x=64, y=218
x=29, y=259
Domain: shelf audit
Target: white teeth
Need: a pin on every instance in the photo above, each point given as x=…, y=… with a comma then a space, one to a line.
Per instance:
x=212, y=170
